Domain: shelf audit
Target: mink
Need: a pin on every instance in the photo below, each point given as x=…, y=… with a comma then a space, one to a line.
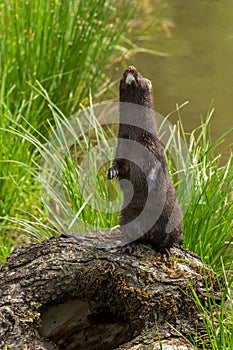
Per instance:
x=150, y=213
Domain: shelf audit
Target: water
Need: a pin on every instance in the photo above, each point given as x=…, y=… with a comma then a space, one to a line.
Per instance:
x=199, y=67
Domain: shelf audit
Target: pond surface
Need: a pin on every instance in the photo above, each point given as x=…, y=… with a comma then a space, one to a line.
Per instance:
x=199, y=65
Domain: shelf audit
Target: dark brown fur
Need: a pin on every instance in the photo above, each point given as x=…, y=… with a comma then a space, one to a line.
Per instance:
x=140, y=160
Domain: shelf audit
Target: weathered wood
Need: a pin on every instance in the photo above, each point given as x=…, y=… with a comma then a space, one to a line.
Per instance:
x=60, y=294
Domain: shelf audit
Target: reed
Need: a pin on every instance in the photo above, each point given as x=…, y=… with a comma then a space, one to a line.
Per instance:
x=68, y=46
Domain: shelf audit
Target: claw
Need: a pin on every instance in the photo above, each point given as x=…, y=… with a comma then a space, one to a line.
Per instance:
x=112, y=172
x=129, y=248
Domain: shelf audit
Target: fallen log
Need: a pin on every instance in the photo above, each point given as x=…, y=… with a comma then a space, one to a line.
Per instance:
x=60, y=294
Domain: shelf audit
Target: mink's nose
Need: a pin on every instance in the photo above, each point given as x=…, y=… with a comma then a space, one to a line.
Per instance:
x=130, y=74
x=132, y=69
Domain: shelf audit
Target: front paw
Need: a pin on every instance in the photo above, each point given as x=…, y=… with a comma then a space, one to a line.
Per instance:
x=112, y=172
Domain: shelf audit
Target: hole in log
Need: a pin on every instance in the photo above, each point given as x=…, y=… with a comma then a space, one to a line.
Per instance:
x=81, y=325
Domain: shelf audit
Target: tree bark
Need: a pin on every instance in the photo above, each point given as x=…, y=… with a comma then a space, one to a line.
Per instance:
x=60, y=294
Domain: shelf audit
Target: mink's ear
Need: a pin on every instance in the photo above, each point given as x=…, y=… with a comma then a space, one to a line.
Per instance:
x=149, y=83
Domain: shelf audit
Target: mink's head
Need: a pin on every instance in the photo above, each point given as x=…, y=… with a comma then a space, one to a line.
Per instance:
x=134, y=88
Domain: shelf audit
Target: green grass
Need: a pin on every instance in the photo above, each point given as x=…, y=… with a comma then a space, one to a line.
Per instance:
x=217, y=317
x=204, y=191
x=65, y=183
x=68, y=46
x=208, y=221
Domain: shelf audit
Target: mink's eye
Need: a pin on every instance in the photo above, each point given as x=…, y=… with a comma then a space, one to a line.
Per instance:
x=140, y=76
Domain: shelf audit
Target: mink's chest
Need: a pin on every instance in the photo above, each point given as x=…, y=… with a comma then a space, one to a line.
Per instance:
x=139, y=156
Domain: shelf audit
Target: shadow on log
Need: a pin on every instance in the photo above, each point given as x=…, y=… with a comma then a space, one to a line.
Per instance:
x=60, y=294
